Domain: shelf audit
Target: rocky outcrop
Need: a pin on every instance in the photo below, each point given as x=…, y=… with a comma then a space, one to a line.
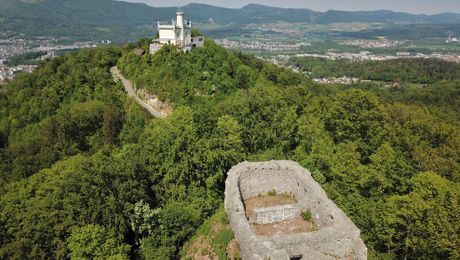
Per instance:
x=336, y=236
x=151, y=103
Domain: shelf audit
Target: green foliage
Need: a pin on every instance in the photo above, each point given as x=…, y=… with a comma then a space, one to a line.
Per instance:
x=243, y=77
x=92, y=241
x=67, y=106
x=79, y=191
x=361, y=149
x=170, y=74
x=430, y=209
x=29, y=58
x=306, y=215
x=144, y=219
x=177, y=221
x=406, y=70
x=215, y=231
x=272, y=193
x=81, y=162
x=356, y=116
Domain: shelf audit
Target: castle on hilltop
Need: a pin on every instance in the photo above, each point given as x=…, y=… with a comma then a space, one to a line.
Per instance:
x=177, y=33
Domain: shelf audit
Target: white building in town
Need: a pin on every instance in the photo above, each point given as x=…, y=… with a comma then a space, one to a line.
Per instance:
x=178, y=33
x=452, y=39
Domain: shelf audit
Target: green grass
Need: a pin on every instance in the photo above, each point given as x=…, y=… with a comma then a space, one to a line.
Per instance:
x=217, y=232
x=272, y=193
x=306, y=215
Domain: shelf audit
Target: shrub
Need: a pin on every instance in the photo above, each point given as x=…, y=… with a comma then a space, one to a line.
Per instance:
x=306, y=215
x=272, y=193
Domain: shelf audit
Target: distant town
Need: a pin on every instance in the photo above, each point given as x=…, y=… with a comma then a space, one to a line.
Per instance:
x=267, y=38
x=382, y=43
x=12, y=47
x=258, y=45
x=283, y=61
x=366, y=55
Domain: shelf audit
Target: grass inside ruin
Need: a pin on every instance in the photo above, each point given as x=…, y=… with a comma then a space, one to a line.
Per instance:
x=292, y=226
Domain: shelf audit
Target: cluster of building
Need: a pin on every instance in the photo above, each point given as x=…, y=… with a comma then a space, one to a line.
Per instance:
x=366, y=55
x=337, y=80
x=349, y=27
x=368, y=44
x=283, y=61
x=16, y=46
x=13, y=46
x=350, y=81
x=8, y=73
x=258, y=45
x=273, y=28
x=61, y=47
x=452, y=39
x=49, y=55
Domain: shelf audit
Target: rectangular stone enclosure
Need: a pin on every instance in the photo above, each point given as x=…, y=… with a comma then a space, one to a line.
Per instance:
x=275, y=214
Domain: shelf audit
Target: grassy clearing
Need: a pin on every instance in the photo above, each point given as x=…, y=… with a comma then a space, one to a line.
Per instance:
x=213, y=240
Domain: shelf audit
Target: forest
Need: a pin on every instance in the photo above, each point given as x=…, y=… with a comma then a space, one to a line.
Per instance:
x=29, y=58
x=419, y=70
x=86, y=173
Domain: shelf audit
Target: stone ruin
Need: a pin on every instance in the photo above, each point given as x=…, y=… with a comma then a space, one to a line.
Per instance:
x=335, y=236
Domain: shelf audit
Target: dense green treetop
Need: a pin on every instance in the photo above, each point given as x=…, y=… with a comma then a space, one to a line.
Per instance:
x=86, y=173
x=400, y=70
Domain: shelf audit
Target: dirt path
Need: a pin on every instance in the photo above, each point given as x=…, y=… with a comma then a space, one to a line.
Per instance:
x=117, y=76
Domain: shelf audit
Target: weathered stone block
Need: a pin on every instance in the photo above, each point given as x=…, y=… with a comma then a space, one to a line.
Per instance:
x=276, y=214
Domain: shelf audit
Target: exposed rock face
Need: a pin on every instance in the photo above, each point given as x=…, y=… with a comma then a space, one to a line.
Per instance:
x=336, y=238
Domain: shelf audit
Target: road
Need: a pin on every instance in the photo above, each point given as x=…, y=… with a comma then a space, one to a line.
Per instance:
x=117, y=76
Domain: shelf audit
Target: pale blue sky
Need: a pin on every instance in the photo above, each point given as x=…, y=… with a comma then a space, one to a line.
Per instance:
x=411, y=6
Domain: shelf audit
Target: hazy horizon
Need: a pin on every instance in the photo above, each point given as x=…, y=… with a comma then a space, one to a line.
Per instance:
x=409, y=6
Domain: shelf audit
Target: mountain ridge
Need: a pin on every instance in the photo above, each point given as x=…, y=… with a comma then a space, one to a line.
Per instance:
x=118, y=20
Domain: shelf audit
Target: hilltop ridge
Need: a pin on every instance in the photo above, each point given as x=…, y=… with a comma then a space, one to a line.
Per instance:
x=117, y=20
x=86, y=173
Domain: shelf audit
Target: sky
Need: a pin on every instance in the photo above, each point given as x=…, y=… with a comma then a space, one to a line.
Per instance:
x=410, y=6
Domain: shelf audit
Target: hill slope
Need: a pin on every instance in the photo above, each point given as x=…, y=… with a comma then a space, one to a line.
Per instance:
x=103, y=19
x=86, y=173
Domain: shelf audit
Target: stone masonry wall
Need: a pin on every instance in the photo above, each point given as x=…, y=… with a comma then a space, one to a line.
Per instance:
x=337, y=237
x=263, y=178
x=276, y=214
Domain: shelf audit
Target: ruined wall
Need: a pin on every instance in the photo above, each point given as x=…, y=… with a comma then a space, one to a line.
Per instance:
x=276, y=214
x=337, y=237
x=262, y=178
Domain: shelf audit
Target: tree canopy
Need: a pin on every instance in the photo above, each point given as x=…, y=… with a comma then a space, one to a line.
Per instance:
x=87, y=173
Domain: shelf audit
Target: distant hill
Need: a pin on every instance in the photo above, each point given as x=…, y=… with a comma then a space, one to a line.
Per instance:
x=85, y=19
x=104, y=19
x=259, y=13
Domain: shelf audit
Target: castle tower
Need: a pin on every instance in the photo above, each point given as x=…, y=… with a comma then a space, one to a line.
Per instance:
x=180, y=25
x=178, y=33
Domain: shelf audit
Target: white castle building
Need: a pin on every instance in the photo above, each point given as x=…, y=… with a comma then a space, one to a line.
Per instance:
x=178, y=33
